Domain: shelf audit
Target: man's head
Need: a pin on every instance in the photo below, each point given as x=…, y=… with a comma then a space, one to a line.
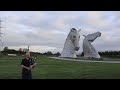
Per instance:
x=27, y=55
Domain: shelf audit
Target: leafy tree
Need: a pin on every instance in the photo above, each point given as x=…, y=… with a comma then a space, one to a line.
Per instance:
x=5, y=49
x=57, y=54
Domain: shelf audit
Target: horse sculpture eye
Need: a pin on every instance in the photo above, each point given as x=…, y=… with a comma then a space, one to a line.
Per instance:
x=73, y=36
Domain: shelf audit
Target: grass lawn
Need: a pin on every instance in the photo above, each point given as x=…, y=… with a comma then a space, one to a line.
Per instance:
x=59, y=69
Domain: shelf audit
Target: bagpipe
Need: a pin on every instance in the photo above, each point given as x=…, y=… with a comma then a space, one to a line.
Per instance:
x=32, y=61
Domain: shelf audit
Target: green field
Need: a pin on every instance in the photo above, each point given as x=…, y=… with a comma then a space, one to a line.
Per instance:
x=57, y=69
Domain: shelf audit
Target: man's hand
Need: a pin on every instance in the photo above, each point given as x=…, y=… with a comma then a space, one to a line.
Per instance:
x=31, y=66
x=28, y=68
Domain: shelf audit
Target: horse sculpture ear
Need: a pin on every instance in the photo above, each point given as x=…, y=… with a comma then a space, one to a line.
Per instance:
x=72, y=29
x=79, y=30
x=84, y=35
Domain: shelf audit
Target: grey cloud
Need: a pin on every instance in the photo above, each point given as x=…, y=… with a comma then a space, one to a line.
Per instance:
x=52, y=30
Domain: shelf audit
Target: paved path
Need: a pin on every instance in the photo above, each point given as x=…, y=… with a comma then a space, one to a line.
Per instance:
x=85, y=60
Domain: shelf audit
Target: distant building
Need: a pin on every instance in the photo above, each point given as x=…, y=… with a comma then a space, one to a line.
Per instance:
x=12, y=55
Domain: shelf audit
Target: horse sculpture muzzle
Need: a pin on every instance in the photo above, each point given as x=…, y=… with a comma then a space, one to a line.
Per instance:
x=99, y=34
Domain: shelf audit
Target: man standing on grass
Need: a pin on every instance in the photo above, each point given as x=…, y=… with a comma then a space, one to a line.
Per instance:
x=27, y=65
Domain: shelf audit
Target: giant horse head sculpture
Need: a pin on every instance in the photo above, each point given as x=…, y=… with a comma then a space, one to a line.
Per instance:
x=71, y=44
x=88, y=49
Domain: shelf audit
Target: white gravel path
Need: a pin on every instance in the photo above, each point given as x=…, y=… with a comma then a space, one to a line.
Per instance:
x=85, y=60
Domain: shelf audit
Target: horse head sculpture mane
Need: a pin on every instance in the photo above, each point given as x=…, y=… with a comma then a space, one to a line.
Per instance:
x=71, y=44
x=88, y=49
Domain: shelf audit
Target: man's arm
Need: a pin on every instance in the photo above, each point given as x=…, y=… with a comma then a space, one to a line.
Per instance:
x=32, y=66
x=25, y=67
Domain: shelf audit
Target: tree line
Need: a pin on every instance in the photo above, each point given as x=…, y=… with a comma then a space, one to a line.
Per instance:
x=7, y=51
x=107, y=54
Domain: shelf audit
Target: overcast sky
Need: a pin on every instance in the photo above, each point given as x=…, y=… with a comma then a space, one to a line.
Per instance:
x=47, y=30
